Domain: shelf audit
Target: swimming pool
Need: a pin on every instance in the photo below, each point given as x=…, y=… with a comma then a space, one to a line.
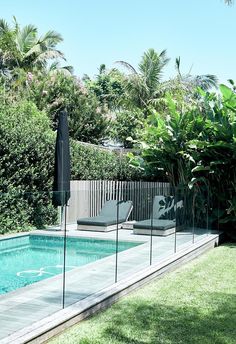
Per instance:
x=28, y=259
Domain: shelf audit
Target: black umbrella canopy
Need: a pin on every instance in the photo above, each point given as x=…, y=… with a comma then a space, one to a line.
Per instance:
x=61, y=184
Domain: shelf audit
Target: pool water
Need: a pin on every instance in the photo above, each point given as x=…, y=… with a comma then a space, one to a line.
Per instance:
x=28, y=259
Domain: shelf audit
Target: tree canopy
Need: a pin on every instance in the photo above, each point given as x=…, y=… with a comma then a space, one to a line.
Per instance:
x=22, y=47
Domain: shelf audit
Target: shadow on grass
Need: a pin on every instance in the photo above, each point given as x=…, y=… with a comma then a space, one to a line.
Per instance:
x=230, y=245
x=145, y=322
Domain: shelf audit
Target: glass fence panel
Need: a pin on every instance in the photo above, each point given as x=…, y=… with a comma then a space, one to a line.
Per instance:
x=184, y=234
x=31, y=266
x=91, y=243
x=201, y=206
x=134, y=236
x=215, y=210
x=192, y=215
x=106, y=232
x=163, y=225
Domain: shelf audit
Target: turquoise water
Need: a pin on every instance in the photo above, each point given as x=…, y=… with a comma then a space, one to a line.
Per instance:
x=31, y=258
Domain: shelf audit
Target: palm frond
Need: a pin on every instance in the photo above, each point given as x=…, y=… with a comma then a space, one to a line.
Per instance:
x=70, y=69
x=102, y=68
x=127, y=66
x=50, y=39
x=16, y=27
x=177, y=66
x=137, y=89
x=163, y=57
x=206, y=82
x=229, y=2
x=49, y=54
x=26, y=38
x=151, y=67
x=35, y=50
x=55, y=67
x=66, y=71
x=4, y=27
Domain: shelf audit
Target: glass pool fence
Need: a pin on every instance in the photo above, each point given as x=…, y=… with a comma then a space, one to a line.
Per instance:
x=55, y=257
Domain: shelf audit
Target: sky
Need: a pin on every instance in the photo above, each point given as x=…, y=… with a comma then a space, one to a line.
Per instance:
x=201, y=32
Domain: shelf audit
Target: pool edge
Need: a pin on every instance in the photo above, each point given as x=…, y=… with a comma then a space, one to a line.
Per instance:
x=61, y=320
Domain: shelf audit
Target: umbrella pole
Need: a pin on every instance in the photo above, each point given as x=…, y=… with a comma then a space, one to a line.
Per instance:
x=63, y=227
x=64, y=211
x=61, y=217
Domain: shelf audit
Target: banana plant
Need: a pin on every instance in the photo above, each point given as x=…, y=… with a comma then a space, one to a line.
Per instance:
x=196, y=147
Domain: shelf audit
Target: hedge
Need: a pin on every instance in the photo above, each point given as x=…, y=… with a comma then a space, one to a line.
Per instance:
x=26, y=167
x=26, y=154
x=95, y=163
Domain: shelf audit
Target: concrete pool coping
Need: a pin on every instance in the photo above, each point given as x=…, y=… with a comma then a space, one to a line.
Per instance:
x=58, y=278
x=61, y=319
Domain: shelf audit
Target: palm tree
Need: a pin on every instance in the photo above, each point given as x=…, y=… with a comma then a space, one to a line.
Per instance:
x=184, y=87
x=191, y=82
x=23, y=48
x=229, y=2
x=142, y=84
x=188, y=83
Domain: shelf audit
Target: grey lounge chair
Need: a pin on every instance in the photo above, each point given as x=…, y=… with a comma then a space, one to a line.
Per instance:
x=163, y=221
x=107, y=219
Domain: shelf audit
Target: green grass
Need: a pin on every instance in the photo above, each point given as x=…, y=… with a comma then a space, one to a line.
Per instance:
x=195, y=304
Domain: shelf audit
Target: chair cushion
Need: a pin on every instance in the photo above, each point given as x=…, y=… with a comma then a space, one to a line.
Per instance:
x=157, y=224
x=109, y=209
x=108, y=214
x=99, y=221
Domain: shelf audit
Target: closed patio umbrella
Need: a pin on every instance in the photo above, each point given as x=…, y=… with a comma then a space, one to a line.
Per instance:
x=61, y=184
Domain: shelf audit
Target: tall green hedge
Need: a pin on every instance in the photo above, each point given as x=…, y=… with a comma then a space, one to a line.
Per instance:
x=26, y=155
x=89, y=163
x=26, y=167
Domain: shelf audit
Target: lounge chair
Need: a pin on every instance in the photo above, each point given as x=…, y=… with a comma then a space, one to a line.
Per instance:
x=107, y=219
x=163, y=221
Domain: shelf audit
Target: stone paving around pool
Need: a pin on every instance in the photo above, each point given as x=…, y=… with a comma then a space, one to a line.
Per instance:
x=29, y=304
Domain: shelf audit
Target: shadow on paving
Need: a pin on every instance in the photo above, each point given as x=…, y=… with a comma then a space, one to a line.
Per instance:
x=143, y=322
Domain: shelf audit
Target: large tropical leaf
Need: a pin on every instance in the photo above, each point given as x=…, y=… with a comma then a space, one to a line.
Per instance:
x=229, y=97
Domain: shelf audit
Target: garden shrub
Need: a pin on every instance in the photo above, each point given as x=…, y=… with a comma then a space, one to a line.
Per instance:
x=26, y=167
x=27, y=162
x=196, y=148
x=54, y=92
x=127, y=124
x=89, y=162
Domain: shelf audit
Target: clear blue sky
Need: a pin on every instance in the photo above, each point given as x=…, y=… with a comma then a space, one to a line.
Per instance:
x=202, y=32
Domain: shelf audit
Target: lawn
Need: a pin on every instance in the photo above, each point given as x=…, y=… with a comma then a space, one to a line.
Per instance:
x=195, y=304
